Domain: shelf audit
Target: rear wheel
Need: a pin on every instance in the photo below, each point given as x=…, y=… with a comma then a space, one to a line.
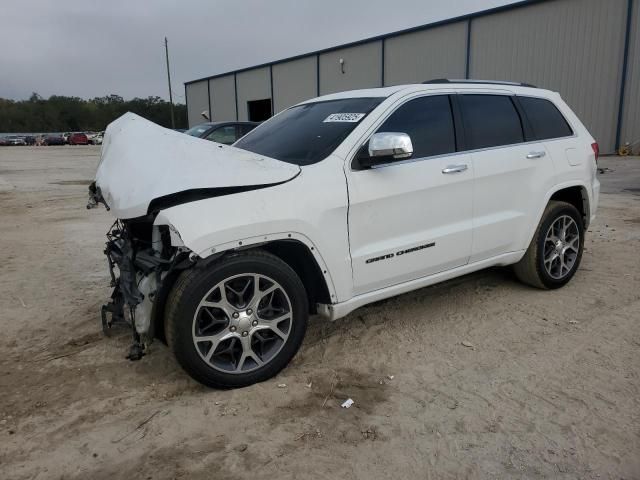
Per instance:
x=237, y=322
x=554, y=255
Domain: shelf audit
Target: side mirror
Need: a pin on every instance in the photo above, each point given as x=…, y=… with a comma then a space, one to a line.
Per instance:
x=385, y=147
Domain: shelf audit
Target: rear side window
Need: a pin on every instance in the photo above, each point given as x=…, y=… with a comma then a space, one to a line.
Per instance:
x=429, y=123
x=490, y=121
x=546, y=120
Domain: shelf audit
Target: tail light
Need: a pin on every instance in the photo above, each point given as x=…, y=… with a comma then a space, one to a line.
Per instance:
x=596, y=150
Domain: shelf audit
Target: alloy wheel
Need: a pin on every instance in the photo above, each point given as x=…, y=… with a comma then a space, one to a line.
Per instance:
x=561, y=247
x=242, y=323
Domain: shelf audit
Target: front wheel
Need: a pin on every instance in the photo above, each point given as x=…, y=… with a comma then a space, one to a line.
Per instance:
x=238, y=321
x=554, y=255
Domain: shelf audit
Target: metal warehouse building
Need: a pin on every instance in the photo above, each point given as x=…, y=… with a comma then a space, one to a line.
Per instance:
x=588, y=50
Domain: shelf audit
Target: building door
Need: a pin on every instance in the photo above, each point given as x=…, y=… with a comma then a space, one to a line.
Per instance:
x=259, y=110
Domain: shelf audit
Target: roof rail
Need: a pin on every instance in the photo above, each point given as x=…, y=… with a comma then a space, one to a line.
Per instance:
x=489, y=82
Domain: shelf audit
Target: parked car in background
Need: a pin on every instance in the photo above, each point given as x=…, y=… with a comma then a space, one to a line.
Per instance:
x=30, y=140
x=222, y=132
x=14, y=140
x=54, y=140
x=96, y=139
x=4, y=142
x=78, y=138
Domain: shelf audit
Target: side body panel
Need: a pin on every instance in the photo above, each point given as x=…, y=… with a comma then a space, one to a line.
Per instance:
x=389, y=209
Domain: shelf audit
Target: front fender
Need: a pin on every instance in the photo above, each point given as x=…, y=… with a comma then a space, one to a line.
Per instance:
x=316, y=219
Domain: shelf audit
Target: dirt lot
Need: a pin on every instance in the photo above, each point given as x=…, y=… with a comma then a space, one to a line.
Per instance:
x=549, y=389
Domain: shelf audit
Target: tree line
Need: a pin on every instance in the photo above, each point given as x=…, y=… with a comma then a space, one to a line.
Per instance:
x=72, y=114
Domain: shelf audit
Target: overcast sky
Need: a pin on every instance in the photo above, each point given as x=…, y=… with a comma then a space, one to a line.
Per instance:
x=90, y=48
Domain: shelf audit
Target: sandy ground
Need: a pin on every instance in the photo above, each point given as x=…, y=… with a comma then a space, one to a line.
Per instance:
x=549, y=389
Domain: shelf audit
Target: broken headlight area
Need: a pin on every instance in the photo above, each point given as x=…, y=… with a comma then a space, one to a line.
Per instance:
x=140, y=257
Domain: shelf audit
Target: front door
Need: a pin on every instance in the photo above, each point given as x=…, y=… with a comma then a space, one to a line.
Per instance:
x=412, y=218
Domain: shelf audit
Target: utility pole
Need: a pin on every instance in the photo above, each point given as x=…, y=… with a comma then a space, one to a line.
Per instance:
x=166, y=51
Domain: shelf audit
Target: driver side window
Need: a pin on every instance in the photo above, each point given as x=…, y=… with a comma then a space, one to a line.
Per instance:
x=429, y=123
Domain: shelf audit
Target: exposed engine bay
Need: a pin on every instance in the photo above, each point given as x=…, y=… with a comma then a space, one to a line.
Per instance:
x=140, y=258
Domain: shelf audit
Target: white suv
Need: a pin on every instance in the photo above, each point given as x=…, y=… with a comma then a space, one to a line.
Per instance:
x=340, y=201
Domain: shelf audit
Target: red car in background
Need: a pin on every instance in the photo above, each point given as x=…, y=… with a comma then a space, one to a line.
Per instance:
x=78, y=139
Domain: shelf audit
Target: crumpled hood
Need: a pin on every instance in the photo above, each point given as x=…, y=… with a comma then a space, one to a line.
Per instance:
x=142, y=162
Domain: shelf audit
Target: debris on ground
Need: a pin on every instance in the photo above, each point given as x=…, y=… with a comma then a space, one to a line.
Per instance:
x=467, y=344
x=347, y=403
x=370, y=433
x=316, y=434
x=282, y=385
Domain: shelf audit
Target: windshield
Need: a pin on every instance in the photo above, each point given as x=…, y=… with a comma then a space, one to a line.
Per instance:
x=198, y=130
x=308, y=133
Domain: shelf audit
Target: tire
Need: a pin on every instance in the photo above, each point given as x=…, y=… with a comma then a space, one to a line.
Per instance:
x=563, y=259
x=248, y=333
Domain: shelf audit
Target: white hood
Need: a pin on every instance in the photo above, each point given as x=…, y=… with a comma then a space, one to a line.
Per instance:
x=142, y=161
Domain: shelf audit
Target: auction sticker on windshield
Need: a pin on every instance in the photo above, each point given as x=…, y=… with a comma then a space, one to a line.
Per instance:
x=344, y=117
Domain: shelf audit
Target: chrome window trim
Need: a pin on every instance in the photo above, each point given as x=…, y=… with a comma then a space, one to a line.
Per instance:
x=461, y=152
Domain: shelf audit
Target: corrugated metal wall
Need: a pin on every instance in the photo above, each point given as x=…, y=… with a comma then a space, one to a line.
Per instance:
x=294, y=82
x=574, y=47
x=197, y=101
x=252, y=85
x=631, y=113
x=223, y=98
x=362, y=68
x=439, y=52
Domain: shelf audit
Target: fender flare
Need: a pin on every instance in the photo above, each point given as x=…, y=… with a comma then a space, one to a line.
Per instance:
x=257, y=241
x=547, y=198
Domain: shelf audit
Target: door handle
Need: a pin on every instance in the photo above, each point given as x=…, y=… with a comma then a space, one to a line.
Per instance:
x=455, y=168
x=531, y=155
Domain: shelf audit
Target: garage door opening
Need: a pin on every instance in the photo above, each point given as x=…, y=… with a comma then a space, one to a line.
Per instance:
x=259, y=110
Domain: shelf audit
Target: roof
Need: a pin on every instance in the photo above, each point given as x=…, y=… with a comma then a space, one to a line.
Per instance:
x=475, y=85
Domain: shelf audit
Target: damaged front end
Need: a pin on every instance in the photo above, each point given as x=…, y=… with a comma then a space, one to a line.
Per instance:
x=141, y=258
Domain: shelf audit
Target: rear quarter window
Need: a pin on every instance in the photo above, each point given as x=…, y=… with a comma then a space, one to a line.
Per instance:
x=545, y=118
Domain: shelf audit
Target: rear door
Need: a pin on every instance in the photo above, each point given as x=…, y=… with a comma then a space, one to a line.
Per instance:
x=412, y=218
x=512, y=176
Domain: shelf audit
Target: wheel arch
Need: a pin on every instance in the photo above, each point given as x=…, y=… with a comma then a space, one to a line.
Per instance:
x=301, y=257
x=575, y=193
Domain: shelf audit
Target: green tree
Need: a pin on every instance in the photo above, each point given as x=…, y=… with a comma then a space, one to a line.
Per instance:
x=62, y=114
